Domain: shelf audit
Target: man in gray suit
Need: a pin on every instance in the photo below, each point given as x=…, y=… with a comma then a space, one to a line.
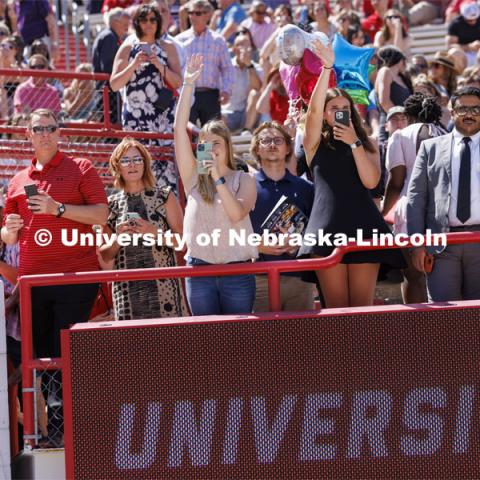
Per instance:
x=444, y=196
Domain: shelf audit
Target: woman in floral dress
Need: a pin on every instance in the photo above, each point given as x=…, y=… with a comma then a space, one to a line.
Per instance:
x=157, y=210
x=142, y=69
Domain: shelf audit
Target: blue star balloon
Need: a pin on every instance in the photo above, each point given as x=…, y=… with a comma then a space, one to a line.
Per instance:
x=351, y=64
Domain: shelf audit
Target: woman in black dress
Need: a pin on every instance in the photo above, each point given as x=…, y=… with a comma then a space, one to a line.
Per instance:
x=345, y=163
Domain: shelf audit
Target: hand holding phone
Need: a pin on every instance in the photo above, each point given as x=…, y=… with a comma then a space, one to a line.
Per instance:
x=30, y=190
x=204, y=152
x=342, y=117
x=132, y=218
x=146, y=49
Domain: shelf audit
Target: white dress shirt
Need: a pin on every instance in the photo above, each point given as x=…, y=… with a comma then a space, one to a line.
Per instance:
x=474, y=179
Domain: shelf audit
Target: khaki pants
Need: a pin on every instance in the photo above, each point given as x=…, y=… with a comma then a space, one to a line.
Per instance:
x=295, y=295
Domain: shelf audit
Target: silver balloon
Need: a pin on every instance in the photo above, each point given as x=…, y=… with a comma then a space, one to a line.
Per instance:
x=292, y=42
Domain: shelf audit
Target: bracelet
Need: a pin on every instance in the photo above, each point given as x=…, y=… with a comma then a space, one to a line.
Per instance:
x=220, y=181
x=185, y=84
x=327, y=68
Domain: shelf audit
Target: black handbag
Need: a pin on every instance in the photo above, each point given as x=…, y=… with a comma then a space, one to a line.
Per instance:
x=166, y=97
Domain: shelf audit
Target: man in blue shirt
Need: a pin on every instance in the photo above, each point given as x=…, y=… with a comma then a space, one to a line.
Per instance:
x=272, y=146
x=230, y=19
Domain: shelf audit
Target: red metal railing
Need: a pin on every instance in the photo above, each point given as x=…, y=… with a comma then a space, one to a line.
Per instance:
x=272, y=269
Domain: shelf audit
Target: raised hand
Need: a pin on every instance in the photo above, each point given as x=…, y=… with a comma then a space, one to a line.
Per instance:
x=324, y=53
x=194, y=69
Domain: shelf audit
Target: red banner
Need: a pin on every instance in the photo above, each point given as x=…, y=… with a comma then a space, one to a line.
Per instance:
x=374, y=393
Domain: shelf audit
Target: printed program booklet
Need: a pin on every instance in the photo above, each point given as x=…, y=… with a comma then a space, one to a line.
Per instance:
x=286, y=216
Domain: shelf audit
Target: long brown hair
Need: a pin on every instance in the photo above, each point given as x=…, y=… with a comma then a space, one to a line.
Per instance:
x=386, y=34
x=327, y=131
x=205, y=185
x=148, y=179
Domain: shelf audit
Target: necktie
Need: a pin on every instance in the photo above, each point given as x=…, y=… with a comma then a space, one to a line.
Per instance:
x=463, y=198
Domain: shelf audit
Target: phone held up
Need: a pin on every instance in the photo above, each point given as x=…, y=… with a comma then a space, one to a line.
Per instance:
x=343, y=117
x=30, y=191
x=204, y=152
x=132, y=218
x=146, y=49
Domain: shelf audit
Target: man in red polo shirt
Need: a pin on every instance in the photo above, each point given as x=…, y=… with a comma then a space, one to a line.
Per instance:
x=70, y=198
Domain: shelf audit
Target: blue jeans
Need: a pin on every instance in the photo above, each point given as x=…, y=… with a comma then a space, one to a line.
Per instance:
x=229, y=294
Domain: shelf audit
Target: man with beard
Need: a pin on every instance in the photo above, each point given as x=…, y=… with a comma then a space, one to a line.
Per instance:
x=444, y=196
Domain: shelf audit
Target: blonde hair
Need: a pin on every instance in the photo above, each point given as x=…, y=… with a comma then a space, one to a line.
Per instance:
x=83, y=68
x=206, y=186
x=114, y=164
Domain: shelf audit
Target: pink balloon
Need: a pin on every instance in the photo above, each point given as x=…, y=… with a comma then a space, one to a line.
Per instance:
x=288, y=74
x=311, y=62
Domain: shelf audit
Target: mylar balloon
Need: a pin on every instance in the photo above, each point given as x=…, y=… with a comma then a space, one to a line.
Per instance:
x=308, y=74
x=292, y=42
x=351, y=64
x=359, y=97
x=288, y=74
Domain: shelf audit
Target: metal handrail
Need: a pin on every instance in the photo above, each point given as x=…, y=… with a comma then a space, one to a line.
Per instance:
x=272, y=269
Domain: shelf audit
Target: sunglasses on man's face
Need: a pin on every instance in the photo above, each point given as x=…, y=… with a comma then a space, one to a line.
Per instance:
x=44, y=129
x=392, y=17
x=38, y=67
x=261, y=12
x=198, y=13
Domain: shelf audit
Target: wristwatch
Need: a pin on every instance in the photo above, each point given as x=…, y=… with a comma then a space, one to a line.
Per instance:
x=220, y=181
x=60, y=210
x=357, y=144
x=251, y=66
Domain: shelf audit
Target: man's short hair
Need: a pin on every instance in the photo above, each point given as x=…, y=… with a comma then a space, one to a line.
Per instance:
x=115, y=14
x=204, y=4
x=464, y=92
x=42, y=112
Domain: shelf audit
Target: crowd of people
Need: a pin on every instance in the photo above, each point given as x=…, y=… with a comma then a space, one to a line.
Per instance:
x=410, y=157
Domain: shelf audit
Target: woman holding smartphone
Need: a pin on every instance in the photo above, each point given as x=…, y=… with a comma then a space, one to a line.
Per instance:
x=345, y=164
x=140, y=207
x=218, y=203
x=146, y=71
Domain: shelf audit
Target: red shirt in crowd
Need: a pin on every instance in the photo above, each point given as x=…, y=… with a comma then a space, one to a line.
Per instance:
x=109, y=4
x=372, y=24
x=72, y=181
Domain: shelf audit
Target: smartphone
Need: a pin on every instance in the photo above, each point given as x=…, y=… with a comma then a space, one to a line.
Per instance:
x=30, y=190
x=343, y=117
x=146, y=48
x=204, y=152
x=132, y=218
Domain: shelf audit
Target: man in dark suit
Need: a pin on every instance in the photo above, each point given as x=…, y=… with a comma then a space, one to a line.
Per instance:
x=444, y=196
